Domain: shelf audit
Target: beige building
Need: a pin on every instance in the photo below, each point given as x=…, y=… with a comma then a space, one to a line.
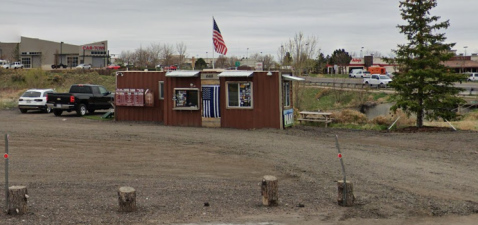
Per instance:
x=37, y=53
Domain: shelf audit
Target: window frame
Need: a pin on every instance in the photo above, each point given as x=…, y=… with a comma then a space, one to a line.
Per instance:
x=161, y=90
x=197, y=107
x=239, y=95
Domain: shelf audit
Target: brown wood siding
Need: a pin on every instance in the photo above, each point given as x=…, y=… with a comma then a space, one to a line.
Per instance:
x=266, y=109
x=141, y=80
x=190, y=118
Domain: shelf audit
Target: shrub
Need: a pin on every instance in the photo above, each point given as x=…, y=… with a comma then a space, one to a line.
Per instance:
x=349, y=116
x=382, y=120
x=18, y=77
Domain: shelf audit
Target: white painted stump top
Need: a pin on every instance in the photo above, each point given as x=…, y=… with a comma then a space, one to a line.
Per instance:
x=269, y=178
x=126, y=189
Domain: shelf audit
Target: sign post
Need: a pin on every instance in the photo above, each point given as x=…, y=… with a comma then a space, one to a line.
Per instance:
x=6, y=171
x=343, y=169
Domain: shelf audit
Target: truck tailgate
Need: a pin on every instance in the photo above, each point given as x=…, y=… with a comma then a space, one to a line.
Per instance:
x=59, y=98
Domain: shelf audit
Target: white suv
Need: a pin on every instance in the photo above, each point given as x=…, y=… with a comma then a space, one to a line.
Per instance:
x=34, y=99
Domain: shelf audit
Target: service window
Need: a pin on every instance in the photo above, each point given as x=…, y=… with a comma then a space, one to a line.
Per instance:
x=161, y=90
x=239, y=95
x=186, y=99
x=286, y=93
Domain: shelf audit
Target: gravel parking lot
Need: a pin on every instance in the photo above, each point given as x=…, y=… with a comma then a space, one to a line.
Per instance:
x=73, y=167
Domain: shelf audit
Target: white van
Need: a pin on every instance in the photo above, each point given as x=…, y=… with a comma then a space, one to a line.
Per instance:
x=360, y=73
x=472, y=77
x=3, y=62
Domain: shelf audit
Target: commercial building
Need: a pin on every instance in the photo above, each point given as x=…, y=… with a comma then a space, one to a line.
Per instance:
x=37, y=53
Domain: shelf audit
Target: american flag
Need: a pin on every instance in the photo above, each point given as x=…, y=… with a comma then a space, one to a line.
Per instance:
x=219, y=44
x=210, y=101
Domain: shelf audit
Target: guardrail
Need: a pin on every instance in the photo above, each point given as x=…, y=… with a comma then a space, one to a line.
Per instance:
x=343, y=85
x=466, y=92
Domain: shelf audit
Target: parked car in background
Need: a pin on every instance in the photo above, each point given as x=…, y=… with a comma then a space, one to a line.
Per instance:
x=34, y=99
x=113, y=67
x=83, y=66
x=15, y=65
x=472, y=77
x=360, y=74
x=377, y=79
x=4, y=64
x=169, y=68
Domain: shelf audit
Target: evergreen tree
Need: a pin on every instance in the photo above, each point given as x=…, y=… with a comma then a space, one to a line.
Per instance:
x=424, y=85
x=341, y=58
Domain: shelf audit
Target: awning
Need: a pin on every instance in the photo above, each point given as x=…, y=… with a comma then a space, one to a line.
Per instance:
x=236, y=73
x=179, y=73
x=287, y=77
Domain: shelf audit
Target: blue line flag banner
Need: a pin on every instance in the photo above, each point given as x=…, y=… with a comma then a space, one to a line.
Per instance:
x=219, y=44
x=210, y=101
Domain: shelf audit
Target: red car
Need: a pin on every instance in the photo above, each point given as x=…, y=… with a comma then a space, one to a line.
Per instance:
x=113, y=67
x=169, y=68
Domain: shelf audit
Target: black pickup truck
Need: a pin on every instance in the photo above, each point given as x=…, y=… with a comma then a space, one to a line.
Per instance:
x=81, y=98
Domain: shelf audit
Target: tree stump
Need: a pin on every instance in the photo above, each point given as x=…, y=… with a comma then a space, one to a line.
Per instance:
x=127, y=199
x=270, y=191
x=17, y=200
x=350, y=198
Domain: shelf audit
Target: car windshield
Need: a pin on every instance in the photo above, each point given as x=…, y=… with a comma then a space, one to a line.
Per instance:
x=32, y=94
x=384, y=77
x=366, y=72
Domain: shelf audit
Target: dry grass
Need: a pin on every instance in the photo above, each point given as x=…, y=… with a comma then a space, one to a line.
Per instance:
x=349, y=116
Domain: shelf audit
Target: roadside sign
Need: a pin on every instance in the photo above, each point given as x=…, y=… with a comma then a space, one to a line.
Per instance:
x=238, y=63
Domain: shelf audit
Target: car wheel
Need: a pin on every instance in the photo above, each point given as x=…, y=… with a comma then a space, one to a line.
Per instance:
x=57, y=112
x=47, y=110
x=23, y=110
x=81, y=110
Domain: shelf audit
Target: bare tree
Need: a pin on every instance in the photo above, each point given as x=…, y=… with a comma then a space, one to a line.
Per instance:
x=268, y=61
x=154, y=51
x=167, y=54
x=296, y=53
x=181, y=48
x=300, y=50
x=222, y=62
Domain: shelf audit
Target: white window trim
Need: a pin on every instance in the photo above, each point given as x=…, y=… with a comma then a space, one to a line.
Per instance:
x=239, y=107
x=160, y=89
x=288, y=94
x=186, y=107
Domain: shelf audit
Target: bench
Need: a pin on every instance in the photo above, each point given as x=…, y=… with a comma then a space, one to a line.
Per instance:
x=321, y=117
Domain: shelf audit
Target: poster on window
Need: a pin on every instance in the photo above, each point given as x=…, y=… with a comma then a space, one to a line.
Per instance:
x=129, y=97
x=138, y=97
x=181, y=98
x=119, y=97
x=245, y=94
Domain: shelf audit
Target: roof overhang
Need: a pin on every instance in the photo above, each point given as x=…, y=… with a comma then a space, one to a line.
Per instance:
x=236, y=73
x=182, y=73
x=287, y=77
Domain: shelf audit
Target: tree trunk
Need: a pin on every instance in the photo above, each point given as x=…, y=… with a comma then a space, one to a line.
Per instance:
x=127, y=199
x=17, y=200
x=349, y=194
x=270, y=191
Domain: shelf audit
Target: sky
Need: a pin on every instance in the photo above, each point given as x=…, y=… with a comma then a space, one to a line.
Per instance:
x=247, y=26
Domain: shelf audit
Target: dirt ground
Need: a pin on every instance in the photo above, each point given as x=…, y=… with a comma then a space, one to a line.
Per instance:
x=73, y=167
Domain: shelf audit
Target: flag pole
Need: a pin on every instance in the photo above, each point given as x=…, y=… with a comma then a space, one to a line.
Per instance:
x=213, y=42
